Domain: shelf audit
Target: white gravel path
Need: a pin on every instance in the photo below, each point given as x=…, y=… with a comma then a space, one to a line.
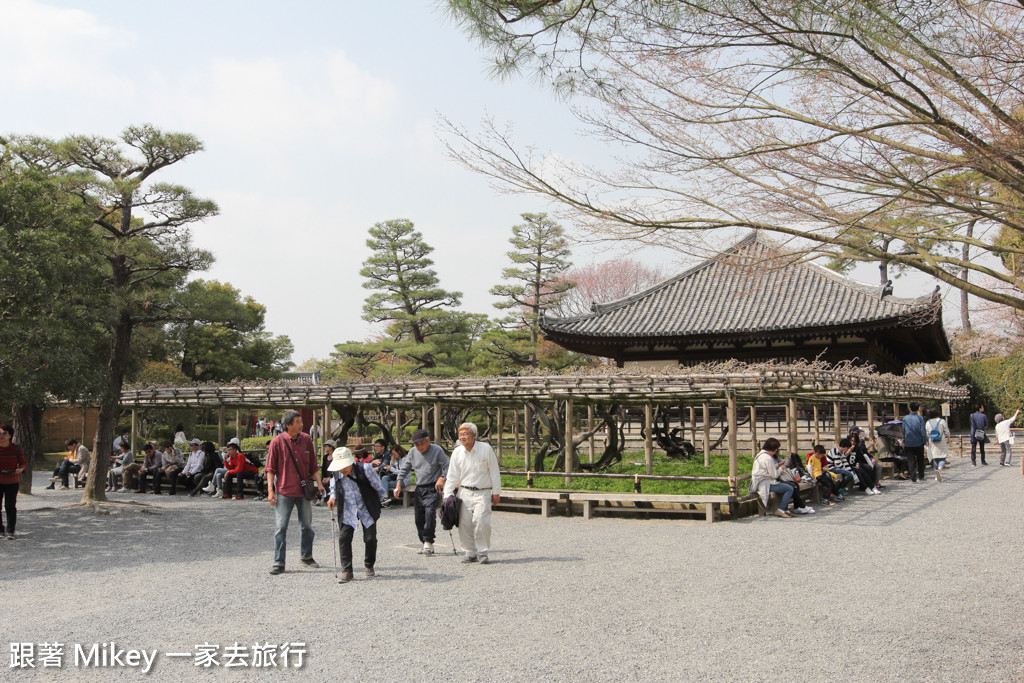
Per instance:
x=920, y=583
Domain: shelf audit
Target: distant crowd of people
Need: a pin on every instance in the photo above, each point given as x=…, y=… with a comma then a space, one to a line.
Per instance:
x=910, y=444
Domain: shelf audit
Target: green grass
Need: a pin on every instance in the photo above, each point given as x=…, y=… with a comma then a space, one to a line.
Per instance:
x=662, y=466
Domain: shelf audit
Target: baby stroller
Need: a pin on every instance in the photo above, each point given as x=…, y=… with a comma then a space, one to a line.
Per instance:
x=890, y=447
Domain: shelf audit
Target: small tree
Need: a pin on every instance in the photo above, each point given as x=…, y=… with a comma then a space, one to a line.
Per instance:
x=146, y=244
x=422, y=334
x=50, y=275
x=532, y=284
x=605, y=281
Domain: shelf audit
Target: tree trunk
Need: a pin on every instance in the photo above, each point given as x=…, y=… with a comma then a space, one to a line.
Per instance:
x=965, y=310
x=110, y=411
x=27, y=429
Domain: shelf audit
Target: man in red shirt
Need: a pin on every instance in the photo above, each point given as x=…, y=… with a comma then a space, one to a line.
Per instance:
x=290, y=461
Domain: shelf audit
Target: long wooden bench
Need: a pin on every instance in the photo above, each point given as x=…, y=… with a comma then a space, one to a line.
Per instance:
x=621, y=502
x=530, y=499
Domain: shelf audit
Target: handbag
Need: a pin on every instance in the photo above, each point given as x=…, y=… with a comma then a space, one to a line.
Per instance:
x=309, y=489
x=980, y=436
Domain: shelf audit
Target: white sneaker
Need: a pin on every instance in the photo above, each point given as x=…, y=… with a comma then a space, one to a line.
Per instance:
x=869, y=492
x=124, y=489
x=877, y=492
x=216, y=494
x=209, y=489
x=810, y=510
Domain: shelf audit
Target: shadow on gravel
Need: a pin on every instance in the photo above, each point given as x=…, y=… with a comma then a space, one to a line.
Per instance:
x=74, y=539
x=903, y=499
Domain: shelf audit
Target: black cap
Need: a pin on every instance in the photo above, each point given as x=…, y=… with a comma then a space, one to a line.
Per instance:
x=419, y=435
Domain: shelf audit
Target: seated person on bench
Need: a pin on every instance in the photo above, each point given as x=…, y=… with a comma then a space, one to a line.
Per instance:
x=76, y=460
x=150, y=467
x=118, y=462
x=764, y=478
x=389, y=471
x=818, y=462
x=239, y=469
x=840, y=465
x=193, y=467
x=863, y=459
x=211, y=461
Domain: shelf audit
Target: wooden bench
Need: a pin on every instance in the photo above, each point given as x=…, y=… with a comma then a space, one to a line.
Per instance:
x=531, y=499
x=621, y=502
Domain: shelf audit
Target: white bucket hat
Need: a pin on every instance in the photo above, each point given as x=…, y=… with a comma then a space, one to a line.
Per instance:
x=342, y=459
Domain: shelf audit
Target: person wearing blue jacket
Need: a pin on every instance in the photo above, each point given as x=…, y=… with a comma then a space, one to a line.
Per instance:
x=914, y=439
x=979, y=421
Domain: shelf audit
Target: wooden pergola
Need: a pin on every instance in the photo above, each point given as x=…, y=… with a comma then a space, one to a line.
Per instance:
x=734, y=384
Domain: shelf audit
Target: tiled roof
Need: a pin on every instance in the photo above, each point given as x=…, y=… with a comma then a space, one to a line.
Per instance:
x=753, y=289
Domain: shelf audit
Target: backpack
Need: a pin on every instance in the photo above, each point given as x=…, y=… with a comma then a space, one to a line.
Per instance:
x=935, y=435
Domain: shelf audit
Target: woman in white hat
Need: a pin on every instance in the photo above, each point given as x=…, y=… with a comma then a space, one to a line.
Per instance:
x=358, y=493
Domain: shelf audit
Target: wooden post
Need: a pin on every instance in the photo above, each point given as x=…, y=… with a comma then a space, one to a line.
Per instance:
x=707, y=436
x=327, y=422
x=753, y=431
x=838, y=424
x=133, y=431
x=238, y=424
x=693, y=425
x=526, y=435
x=871, y=420
x=82, y=440
x=423, y=417
x=648, y=439
x=590, y=428
x=437, y=424
x=732, y=438
x=895, y=411
x=817, y=426
x=570, y=451
x=791, y=427
x=398, y=425
x=515, y=430
x=501, y=433
x=220, y=425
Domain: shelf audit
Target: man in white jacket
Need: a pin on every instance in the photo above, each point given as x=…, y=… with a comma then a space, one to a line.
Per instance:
x=1004, y=438
x=473, y=469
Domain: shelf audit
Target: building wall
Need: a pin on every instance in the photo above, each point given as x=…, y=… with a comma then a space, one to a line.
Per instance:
x=63, y=423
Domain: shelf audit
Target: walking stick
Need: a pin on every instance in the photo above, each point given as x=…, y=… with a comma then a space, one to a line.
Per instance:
x=334, y=545
x=453, y=542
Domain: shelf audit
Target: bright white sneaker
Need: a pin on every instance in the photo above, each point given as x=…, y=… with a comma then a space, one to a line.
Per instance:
x=869, y=492
x=209, y=490
x=124, y=489
x=215, y=494
x=877, y=492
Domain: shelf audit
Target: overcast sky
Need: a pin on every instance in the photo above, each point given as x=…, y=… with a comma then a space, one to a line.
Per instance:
x=319, y=120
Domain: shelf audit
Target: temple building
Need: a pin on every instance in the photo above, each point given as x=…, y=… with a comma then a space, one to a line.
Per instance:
x=756, y=302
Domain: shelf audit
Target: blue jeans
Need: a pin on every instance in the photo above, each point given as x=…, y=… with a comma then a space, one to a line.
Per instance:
x=847, y=476
x=282, y=514
x=785, y=492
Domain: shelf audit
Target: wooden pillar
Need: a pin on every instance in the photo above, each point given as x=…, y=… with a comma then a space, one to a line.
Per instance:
x=515, y=430
x=791, y=427
x=693, y=426
x=871, y=420
x=707, y=436
x=423, y=417
x=895, y=411
x=220, y=425
x=238, y=424
x=648, y=439
x=732, y=438
x=570, y=451
x=134, y=421
x=327, y=422
x=817, y=426
x=82, y=440
x=501, y=433
x=398, y=425
x=526, y=435
x=754, y=447
x=437, y=424
x=837, y=419
x=590, y=428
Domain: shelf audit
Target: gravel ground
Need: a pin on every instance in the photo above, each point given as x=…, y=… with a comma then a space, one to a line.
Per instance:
x=920, y=583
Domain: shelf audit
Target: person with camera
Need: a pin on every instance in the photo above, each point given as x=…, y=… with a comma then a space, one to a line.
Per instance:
x=292, y=469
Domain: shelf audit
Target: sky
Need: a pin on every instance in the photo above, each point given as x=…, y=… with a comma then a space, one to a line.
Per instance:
x=319, y=119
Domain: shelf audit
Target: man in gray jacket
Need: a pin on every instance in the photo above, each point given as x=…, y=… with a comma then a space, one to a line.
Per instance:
x=431, y=466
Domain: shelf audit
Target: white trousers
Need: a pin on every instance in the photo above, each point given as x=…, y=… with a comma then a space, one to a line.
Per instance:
x=475, y=521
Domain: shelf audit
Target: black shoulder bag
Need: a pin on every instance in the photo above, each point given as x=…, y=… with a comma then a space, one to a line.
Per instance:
x=309, y=489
